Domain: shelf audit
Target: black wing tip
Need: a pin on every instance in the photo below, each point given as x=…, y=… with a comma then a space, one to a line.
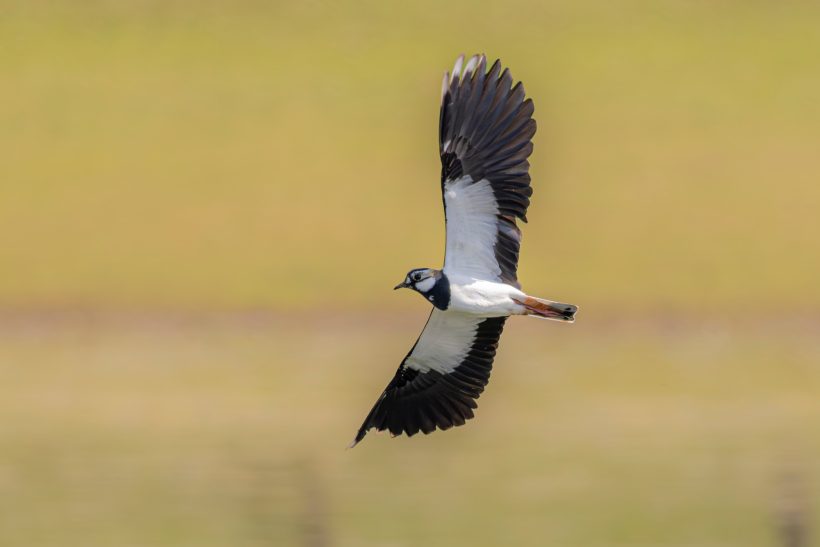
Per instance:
x=475, y=65
x=416, y=401
x=357, y=439
x=485, y=122
x=450, y=404
x=462, y=69
x=408, y=429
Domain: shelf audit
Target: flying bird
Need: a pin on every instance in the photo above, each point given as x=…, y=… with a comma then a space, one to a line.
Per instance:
x=485, y=137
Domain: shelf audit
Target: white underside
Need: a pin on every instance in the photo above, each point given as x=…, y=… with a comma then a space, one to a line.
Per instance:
x=472, y=229
x=449, y=335
x=469, y=260
x=444, y=343
x=476, y=289
x=483, y=298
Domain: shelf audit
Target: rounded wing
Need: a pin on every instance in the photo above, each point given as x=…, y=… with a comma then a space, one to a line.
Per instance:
x=438, y=382
x=485, y=138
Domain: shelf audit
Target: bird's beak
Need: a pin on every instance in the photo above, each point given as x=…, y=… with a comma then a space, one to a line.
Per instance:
x=400, y=286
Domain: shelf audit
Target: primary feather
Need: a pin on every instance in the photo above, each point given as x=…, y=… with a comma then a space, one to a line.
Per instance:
x=485, y=132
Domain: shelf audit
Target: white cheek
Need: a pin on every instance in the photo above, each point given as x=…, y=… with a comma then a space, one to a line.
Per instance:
x=425, y=284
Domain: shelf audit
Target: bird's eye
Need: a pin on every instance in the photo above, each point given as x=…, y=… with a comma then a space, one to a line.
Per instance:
x=416, y=276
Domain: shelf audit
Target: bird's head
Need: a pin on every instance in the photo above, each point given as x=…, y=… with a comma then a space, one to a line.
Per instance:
x=421, y=279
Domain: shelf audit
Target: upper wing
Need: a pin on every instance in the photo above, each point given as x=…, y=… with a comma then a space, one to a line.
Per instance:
x=438, y=381
x=485, y=132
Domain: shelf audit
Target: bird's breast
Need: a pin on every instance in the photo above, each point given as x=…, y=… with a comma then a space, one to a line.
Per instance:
x=485, y=298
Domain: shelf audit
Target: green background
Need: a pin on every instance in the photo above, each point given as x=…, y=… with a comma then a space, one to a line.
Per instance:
x=204, y=206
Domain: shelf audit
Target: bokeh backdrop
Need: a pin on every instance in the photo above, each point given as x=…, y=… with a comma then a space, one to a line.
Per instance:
x=204, y=207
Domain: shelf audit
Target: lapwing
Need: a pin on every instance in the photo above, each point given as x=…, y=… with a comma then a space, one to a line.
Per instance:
x=485, y=137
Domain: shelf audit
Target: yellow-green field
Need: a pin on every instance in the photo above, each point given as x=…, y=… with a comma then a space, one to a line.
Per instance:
x=204, y=206
x=201, y=155
x=232, y=431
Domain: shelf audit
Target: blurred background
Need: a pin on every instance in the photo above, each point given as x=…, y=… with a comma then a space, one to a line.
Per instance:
x=204, y=207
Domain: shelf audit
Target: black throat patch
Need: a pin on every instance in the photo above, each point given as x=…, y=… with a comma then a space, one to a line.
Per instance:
x=439, y=295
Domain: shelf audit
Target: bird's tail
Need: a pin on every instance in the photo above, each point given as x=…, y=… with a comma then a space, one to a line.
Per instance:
x=547, y=309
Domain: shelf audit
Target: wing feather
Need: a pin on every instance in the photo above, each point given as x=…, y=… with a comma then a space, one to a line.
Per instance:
x=439, y=380
x=485, y=140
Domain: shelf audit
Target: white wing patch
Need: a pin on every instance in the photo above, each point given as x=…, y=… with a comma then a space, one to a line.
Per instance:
x=471, y=229
x=444, y=343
